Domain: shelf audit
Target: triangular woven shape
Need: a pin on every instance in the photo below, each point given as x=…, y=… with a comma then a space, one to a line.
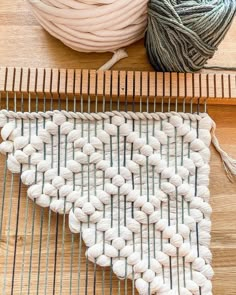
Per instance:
x=135, y=186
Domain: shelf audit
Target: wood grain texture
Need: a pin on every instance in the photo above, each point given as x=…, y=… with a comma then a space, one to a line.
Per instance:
x=152, y=86
x=24, y=44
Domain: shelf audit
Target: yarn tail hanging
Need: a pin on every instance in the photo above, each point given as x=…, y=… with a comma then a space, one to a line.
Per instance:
x=182, y=35
x=117, y=56
x=228, y=162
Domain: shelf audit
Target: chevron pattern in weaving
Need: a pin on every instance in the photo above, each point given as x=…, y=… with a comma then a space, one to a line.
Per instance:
x=135, y=186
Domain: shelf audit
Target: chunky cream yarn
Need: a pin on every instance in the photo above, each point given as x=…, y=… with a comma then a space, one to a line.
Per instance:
x=93, y=25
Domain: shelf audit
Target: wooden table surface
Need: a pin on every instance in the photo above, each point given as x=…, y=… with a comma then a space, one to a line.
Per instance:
x=23, y=43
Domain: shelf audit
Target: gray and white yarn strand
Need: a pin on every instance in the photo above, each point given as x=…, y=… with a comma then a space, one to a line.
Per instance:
x=182, y=35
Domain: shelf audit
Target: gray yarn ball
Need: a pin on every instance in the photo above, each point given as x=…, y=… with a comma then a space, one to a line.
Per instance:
x=183, y=34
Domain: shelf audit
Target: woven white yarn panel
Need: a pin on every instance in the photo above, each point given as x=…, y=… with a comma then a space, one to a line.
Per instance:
x=135, y=186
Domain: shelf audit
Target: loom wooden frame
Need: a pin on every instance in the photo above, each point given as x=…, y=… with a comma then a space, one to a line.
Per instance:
x=216, y=89
x=129, y=86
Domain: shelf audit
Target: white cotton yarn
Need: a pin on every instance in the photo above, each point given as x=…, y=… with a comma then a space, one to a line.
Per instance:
x=94, y=25
x=135, y=186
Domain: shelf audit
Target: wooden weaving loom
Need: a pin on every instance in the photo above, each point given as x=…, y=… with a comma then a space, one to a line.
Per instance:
x=39, y=255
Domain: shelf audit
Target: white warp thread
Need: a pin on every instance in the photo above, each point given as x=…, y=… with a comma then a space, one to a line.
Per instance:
x=135, y=186
x=93, y=25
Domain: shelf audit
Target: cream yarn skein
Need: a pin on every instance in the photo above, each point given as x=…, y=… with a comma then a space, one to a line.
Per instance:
x=94, y=25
